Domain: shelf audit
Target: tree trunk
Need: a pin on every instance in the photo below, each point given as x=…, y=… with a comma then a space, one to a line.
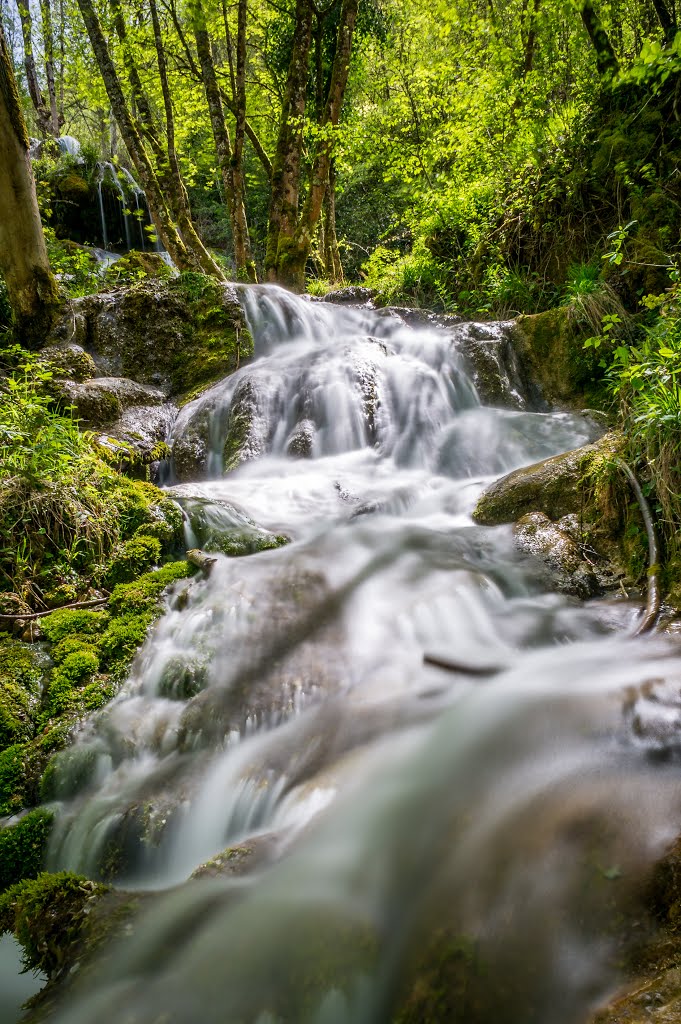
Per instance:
x=332, y=261
x=666, y=20
x=606, y=59
x=283, y=212
x=48, y=45
x=183, y=258
x=223, y=147
x=242, y=244
x=531, y=11
x=178, y=196
x=42, y=112
x=294, y=247
x=24, y=264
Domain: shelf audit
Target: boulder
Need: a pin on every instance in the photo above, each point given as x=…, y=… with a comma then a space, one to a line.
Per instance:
x=557, y=486
x=180, y=335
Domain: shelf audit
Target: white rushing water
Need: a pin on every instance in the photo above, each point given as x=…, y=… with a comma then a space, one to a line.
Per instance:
x=283, y=703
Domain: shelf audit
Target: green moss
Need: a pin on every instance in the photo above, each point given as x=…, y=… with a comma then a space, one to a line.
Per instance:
x=75, y=670
x=23, y=847
x=133, y=557
x=182, y=679
x=48, y=915
x=11, y=779
x=81, y=622
x=72, y=643
x=67, y=773
x=16, y=708
x=122, y=639
x=140, y=597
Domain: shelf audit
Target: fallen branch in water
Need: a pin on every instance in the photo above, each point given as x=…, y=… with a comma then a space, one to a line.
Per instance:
x=484, y=671
x=652, y=611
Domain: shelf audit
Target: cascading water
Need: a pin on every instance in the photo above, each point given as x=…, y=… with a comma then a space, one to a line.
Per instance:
x=283, y=703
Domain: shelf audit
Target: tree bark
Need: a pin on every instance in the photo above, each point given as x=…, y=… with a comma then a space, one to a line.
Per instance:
x=283, y=212
x=332, y=261
x=178, y=194
x=530, y=11
x=294, y=247
x=42, y=111
x=666, y=20
x=161, y=215
x=226, y=157
x=242, y=244
x=24, y=264
x=606, y=59
x=48, y=45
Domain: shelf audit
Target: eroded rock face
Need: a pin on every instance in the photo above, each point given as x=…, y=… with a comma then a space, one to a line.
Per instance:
x=550, y=348
x=179, y=335
x=497, y=371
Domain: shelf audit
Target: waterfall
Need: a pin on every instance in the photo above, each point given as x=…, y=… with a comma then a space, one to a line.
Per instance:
x=282, y=707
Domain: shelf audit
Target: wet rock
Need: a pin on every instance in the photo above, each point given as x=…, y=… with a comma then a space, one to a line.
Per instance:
x=498, y=373
x=246, y=428
x=68, y=360
x=241, y=859
x=354, y=295
x=103, y=400
x=556, y=545
x=180, y=335
x=190, y=448
x=299, y=444
x=556, y=486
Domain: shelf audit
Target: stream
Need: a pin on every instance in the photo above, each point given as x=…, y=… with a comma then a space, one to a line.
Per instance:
x=497, y=819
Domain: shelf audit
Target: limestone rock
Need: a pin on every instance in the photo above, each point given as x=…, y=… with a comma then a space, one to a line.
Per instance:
x=555, y=486
x=180, y=335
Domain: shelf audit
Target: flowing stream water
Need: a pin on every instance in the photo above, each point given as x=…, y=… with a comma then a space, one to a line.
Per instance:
x=504, y=813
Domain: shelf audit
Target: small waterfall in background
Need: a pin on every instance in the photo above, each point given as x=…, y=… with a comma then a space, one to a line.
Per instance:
x=281, y=709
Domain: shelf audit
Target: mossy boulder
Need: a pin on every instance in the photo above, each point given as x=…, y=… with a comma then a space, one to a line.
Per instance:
x=557, y=486
x=68, y=360
x=101, y=401
x=180, y=335
x=550, y=346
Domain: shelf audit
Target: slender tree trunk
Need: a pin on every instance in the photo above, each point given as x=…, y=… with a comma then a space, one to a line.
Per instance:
x=163, y=221
x=332, y=261
x=283, y=212
x=48, y=45
x=294, y=247
x=242, y=244
x=223, y=147
x=24, y=264
x=531, y=17
x=606, y=59
x=42, y=111
x=178, y=195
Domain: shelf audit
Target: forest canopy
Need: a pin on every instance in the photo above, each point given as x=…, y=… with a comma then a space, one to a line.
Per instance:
x=465, y=154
